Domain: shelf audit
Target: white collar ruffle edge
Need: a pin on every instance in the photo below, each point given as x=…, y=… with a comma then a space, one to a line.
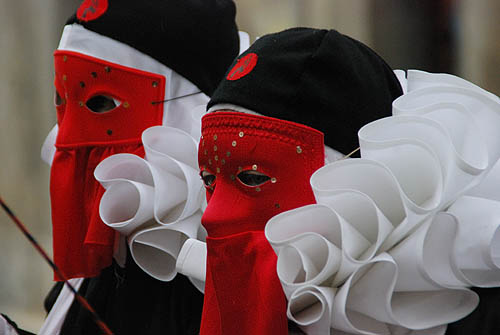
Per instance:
x=156, y=201
x=398, y=236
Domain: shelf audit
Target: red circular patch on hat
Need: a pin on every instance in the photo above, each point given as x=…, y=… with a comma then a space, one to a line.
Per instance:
x=91, y=9
x=243, y=67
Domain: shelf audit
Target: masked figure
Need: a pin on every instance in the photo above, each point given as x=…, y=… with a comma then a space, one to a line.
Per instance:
x=314, y=87
x=241, y=157
x=122, y=67
x=385, y=244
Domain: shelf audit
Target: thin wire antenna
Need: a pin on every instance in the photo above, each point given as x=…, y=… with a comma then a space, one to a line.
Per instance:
x=351, y=153
x=101, y=324
x=179, y=97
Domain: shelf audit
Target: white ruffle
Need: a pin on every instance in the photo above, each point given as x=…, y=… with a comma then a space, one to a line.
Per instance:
x=191, y=262
x=397, y=236
x=156, y=201
x=48, y=148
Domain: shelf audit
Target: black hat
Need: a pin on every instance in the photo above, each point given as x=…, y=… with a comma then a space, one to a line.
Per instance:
x=196, y=38
x=319, y=78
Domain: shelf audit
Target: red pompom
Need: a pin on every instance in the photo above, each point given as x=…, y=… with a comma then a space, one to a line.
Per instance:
x=91, y=9
x=243, y=67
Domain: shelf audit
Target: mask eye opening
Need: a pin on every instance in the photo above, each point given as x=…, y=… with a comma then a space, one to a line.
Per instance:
x=252, y=178
x=208, y=179
x=102, y=103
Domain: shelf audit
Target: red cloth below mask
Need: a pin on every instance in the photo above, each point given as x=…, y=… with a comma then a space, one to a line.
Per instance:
x=243, y=294
x=82, y=243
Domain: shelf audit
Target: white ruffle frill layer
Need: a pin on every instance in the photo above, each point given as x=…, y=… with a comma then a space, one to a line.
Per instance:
x=156, y=201
x=397, y=236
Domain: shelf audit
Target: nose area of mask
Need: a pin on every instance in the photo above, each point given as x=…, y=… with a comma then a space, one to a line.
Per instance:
x=233, y=209
x=226, y=211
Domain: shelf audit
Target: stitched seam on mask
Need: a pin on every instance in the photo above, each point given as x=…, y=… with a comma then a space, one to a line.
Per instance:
x=277, y=131
x=257, y=122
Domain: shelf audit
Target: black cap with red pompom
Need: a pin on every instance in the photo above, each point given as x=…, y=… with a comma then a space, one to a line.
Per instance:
x=319, y=78
x=196, y=38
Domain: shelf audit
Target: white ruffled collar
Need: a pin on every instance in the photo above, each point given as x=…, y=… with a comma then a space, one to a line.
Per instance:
x=157, y=201
x=398, y=235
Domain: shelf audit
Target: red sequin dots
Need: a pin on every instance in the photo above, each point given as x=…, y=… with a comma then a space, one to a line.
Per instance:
x=243, y=67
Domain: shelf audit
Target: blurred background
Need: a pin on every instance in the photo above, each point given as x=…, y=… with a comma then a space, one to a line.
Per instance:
x=461, y=37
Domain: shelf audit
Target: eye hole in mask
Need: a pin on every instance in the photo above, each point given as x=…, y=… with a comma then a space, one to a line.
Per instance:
x=253, y=178
x=58, y=101
x=102, y=104
x=208, y=179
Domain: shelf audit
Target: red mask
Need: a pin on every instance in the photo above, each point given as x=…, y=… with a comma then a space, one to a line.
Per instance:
x=83, y=245
x=254, y=167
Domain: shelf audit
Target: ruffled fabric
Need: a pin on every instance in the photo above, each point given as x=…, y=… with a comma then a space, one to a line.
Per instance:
x=398, y=236
x=82, y=244
x=156, y=201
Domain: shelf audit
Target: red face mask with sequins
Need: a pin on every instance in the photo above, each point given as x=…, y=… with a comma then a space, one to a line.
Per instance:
x=254, y=167
x=82, y=244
